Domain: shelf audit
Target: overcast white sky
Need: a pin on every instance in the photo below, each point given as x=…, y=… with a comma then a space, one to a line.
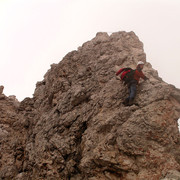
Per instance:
x=37, y=33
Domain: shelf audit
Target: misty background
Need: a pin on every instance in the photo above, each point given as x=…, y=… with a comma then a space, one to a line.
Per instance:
x=37, y=33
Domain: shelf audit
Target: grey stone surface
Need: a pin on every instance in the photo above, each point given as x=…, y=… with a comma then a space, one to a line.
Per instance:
x=76, y=127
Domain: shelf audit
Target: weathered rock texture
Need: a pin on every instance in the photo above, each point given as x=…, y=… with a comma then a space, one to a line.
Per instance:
x=75, y=126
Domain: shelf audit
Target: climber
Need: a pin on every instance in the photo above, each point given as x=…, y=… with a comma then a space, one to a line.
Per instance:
x=132, y=81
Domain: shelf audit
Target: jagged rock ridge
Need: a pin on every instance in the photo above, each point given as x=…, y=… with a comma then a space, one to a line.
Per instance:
x=75, y=126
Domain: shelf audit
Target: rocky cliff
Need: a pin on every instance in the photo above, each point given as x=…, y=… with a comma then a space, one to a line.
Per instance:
x=76, y=127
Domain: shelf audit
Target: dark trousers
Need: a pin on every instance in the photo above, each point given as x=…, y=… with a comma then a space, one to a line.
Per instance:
x=132, y=91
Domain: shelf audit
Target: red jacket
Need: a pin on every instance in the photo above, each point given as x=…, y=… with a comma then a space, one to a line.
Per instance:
x=137, y=75
x=123, y=74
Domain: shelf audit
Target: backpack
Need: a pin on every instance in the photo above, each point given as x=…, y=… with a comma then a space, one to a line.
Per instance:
x=127, y=75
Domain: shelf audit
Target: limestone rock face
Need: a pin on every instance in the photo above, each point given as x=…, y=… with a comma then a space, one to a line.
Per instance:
x=1, y=89
x=76, y=127
x=12, y=139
